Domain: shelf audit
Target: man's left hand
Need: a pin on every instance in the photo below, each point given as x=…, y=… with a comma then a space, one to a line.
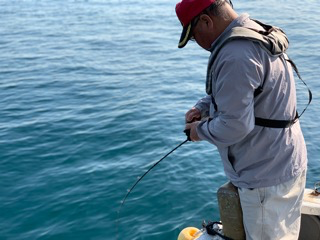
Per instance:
x=193, y=131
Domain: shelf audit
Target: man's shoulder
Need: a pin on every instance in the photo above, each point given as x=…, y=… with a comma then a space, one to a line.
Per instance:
x=239, y=49
x=240, y=41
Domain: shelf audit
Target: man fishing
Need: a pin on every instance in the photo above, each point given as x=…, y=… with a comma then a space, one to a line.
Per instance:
x=249, y=114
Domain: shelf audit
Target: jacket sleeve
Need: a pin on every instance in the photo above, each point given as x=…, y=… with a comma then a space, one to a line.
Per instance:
x=204, y=106
x=236, y=75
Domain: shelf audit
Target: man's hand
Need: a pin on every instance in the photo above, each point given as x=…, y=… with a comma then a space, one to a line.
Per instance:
x=193, y=131
x=193, y=115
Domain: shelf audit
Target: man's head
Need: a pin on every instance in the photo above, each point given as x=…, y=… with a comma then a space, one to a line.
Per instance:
x=203, y=20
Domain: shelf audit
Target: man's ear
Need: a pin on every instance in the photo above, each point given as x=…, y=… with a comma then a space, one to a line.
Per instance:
x=207, y=20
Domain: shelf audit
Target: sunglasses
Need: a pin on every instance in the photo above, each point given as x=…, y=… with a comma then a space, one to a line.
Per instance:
x=194, y=24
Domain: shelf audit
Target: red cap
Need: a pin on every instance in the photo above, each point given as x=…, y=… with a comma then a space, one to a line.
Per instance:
x=187, y=10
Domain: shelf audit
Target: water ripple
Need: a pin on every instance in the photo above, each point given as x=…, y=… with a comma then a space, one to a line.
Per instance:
x=93, y=93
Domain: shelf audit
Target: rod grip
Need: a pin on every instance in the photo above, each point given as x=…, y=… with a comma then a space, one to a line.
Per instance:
x=187, y=132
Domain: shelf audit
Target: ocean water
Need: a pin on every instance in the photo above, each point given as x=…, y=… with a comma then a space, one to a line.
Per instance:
x=93, y=92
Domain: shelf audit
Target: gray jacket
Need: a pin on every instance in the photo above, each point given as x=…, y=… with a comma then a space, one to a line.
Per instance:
x=252, y=156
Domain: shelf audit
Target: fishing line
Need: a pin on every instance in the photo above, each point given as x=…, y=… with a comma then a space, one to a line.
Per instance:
x=187, y=132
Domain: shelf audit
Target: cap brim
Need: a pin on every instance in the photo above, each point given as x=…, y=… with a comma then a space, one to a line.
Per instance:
x=185, y=35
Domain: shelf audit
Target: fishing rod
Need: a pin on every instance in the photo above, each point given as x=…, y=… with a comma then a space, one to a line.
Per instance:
x=187, y=132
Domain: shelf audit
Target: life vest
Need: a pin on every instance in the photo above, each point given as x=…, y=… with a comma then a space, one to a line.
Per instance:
x=275, y=42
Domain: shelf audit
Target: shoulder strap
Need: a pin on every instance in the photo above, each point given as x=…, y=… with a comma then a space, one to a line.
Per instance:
x=299, y=76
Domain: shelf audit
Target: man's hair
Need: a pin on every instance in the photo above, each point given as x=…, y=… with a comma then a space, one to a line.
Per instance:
x=217, y=9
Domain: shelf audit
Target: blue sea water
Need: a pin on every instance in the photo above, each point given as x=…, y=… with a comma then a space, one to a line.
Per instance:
x=93, y=92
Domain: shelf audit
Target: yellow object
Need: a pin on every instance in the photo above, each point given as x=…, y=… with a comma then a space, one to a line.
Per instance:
x=189, y=233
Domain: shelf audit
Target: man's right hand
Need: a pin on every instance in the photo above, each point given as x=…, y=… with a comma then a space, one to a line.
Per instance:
x=193, y=115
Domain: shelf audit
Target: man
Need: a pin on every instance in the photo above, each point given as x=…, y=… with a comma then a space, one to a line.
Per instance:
x=246, y=84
